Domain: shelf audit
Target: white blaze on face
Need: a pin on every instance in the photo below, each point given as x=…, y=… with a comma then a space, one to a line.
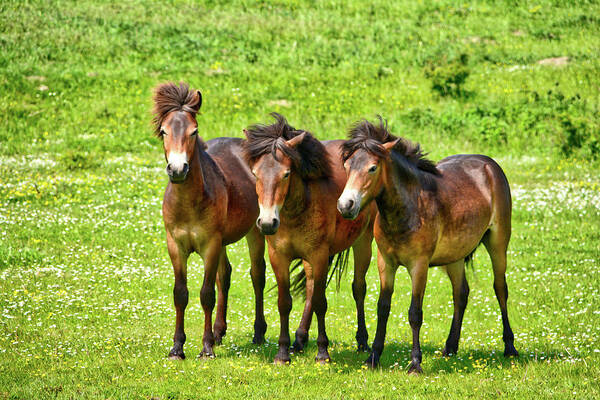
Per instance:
x=177, y=160
x=267, y=214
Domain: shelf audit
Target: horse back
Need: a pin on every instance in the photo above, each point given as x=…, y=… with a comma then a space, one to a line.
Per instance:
x=242, y=201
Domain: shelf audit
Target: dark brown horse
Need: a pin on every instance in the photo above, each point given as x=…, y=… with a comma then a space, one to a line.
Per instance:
x=298, y=181
x=209, y=203
x=429, y=215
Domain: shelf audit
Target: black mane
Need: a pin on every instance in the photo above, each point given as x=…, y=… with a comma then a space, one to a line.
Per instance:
x=310, y=158
x=365, y=135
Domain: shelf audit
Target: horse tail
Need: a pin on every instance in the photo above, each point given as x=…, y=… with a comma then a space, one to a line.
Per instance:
x=298, y=283
x=469, y=259
x=340, y=265
x=339, y=268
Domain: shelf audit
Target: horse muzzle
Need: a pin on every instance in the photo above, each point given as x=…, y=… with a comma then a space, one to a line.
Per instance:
x=267, y=227
x=349, y=204
x=177, y=173
x=268, y=219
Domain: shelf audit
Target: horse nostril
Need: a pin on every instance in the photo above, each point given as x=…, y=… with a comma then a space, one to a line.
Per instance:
x=169, y=168
x=186, y=168
x=259, y=222
x=350, y=203
x=275, y=223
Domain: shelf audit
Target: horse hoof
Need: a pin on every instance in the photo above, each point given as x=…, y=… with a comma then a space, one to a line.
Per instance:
x=297, y=347
x=206, y=354
x=363, y=347
x=176, y=357
x=510, y=351
x=282, y=361
x=371, y=362
x=323, y=360
x=258, y=339
x=415, y=369
x=448, y=352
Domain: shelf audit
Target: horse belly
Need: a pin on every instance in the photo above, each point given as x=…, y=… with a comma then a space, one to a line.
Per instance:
x=458, y=242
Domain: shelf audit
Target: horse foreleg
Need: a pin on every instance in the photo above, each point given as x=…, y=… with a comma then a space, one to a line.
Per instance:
x=418, y=274
x=256, y=247
x=212, y=255
x=362, y=258
x=460, y=295
x=387, y=275
x=319, y=262
x=281, y=268
x=304, y=327
x=223, y=283
x=180, y=295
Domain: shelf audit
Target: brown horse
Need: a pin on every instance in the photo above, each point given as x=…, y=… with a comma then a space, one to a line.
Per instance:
x=298, y=180
x=428, y=216
x=209, y=203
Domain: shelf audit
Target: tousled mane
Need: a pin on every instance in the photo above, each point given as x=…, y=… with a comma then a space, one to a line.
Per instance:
x=310, y=158
x=169, y=97
x=365, y=135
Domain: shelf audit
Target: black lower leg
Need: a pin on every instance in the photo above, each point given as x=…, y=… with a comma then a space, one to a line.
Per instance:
x=362, y=336
x=507, y=336
x=320, y=306
x=207, y=298
x=285, y=307
x=415, y=317
x=383, y=312
x=257, y=274
x=180, y=298
x=224, y=279
x=459, y=311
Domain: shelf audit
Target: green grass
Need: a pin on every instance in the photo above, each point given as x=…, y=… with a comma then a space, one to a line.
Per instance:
x=85, y=281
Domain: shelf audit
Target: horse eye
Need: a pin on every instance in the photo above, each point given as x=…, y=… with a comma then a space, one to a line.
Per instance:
x=163, y=132
x=287, y=173
x=195, y=132
x=373, y=169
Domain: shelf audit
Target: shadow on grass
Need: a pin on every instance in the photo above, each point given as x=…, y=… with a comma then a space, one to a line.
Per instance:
x=396, y=357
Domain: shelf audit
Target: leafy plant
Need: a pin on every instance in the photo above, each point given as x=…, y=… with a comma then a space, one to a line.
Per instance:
x=448, y=76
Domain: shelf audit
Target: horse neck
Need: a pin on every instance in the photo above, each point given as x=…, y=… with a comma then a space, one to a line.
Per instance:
x=295, y=201
x=398, y=202
x=197, y=184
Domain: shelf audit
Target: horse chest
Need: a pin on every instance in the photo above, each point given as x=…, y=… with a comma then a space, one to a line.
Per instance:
x=192, y=236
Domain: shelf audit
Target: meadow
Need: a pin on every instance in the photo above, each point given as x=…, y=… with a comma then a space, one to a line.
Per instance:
x=85, y=282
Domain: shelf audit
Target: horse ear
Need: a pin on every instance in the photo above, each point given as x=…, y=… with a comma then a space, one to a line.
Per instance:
x=246, y=134
x=295, y=141
x=390, y=145
x=198, y=103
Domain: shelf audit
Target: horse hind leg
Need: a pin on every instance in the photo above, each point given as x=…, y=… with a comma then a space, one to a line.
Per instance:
x=460, y=295
x=496, y=243
x=305, y=321
x=256, y=247
x=223, y=284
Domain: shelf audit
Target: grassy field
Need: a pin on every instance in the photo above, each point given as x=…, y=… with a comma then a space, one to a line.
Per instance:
x=85, y=282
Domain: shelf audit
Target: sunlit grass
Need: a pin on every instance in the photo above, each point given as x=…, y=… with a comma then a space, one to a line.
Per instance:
x=85, y=281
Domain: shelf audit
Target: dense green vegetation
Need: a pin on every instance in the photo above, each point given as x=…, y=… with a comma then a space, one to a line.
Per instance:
x=85, y=281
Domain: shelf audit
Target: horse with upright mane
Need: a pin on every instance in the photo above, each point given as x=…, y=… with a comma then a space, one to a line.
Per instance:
x=298, y=179
x=209, y=202
x=429, y=215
